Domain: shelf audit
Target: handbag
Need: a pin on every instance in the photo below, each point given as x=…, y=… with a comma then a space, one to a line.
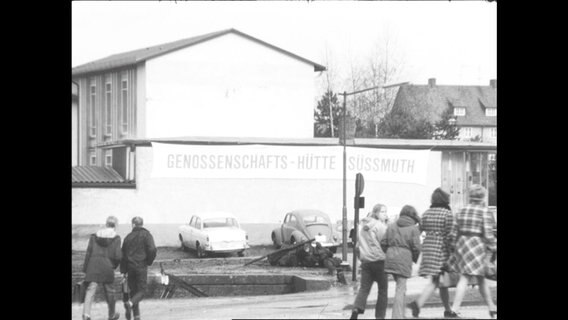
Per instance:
x=491, y=266
x=448, y=279
x=79, y=291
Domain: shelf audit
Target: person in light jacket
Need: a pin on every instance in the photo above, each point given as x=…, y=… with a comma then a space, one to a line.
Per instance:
x=102, y=258
x=402, y=246
x=368, y=249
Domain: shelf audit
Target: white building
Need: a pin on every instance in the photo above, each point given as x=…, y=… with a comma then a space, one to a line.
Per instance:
x=224, y=83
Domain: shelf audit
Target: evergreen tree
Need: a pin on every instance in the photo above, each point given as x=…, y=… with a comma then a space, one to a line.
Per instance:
x=444, y=129
x=402, y=125
x=323, y=118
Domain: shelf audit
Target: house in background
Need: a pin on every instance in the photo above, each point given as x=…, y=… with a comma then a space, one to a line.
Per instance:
x=221, y=84
x=474, y=107
x=475, y=111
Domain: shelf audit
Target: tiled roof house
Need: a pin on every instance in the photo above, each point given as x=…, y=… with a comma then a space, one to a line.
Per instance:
x=475, y=107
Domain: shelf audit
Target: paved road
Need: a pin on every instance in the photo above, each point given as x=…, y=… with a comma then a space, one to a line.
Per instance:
x=331, y=304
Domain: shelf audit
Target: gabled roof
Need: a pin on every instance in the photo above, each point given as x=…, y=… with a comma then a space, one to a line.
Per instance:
x=432, y=101
x=137, y=56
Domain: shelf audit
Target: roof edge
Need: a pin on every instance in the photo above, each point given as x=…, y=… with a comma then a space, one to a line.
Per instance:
x=212, y=35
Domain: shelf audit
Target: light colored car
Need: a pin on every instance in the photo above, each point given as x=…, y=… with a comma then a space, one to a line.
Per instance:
x=213, y=232
x=302, y=225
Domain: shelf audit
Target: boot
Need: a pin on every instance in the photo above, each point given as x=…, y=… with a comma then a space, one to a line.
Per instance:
x=128, y=310
x=354, y=314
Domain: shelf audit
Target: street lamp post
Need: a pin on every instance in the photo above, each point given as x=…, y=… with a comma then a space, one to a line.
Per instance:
x=344, y=138
x=344, y=210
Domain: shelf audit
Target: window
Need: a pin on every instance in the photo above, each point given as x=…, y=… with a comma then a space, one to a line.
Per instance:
x=124, y=102
x=220, y=223
x=92, y=109
x=108, y=106
x=108, y=158
x=491, y=112
x=466, y=131
x=192, y=221
x=459, y=111
x=198, y=223
x=493, y=132
x=92, y=158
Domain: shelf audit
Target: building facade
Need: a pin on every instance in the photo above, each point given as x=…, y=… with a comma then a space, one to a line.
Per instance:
x=475, y=110
x=225, y=83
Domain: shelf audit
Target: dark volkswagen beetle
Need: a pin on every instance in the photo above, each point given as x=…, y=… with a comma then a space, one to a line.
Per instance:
x=301, y=225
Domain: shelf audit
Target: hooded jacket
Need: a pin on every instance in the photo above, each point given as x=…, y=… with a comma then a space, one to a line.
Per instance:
x=138, y=250
x=402, y=243
x=369, y=240
x=102, y=257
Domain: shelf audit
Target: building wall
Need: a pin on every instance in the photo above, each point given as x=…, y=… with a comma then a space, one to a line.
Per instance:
x=229, y=86
x=87, y=139
x=74, y=133
x=487, y=135
x=172, y=200
x=483, y=132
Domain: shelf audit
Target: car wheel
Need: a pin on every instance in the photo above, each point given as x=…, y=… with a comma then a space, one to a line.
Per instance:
x=199, y=250
x=183, y=247
x=292, y=240
x=276, y=245
x=241, y=253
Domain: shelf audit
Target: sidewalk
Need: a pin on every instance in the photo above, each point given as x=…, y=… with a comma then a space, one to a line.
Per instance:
x=330, y=304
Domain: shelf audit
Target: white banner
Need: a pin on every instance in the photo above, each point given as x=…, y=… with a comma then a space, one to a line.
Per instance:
x=287, y=162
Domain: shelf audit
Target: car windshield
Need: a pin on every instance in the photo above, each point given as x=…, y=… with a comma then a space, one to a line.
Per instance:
x=313, y=219
x=220, y=223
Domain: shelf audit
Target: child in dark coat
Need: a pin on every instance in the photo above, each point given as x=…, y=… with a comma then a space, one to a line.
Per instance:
x=402, y=246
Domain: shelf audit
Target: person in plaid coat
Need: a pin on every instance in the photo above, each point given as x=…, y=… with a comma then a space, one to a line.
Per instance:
x=437, y=223
x=473, y=229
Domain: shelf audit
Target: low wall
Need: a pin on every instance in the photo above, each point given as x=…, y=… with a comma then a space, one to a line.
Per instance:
x=221, y=285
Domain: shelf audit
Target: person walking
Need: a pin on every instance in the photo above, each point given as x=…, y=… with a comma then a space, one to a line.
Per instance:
x=102, y=258
x=368, y=250
x=402, y=246
x=138, y=252
x=437, y=223
x=473, y=229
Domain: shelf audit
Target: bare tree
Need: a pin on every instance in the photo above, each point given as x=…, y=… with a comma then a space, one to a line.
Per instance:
x=381, y=67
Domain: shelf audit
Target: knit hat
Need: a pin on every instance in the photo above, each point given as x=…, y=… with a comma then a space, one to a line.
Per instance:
x=440, y=197
x=477, y=192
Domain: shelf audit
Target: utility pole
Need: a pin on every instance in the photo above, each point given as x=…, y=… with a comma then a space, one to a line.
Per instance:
x=344, y=138
x=344, y=210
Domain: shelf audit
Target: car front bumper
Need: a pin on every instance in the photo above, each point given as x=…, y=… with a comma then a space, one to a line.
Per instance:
x=226, y=246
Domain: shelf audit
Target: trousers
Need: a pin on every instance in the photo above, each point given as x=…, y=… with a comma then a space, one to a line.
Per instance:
x=90, y=297
x=137, y=283
x=372, y=272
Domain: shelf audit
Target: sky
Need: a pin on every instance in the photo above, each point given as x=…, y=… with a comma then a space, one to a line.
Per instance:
x=454, y=42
